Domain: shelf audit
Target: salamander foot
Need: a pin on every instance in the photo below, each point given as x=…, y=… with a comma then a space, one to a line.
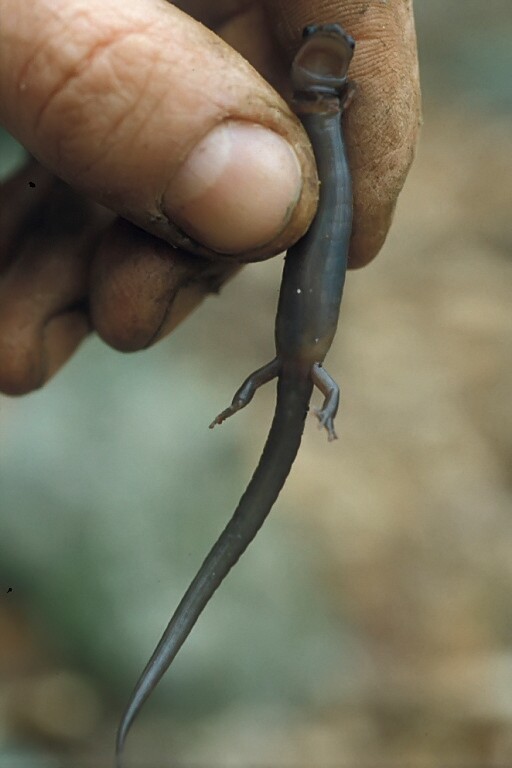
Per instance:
x=244, y=395
x=331, y=391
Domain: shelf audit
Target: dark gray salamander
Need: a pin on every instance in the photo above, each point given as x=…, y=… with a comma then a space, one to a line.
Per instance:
x=307, y=316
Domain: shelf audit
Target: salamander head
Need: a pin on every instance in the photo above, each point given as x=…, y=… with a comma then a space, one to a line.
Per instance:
x=321, y=64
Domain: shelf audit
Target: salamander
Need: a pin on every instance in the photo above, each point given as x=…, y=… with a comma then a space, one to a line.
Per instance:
x=306, y=321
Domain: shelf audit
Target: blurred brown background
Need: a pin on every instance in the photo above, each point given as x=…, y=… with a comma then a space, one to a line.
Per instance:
x=371, y=621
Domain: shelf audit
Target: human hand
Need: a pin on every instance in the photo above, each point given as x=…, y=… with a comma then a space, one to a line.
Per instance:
x=147, y=114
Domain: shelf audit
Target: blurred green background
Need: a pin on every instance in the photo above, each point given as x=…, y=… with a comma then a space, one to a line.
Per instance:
x=371, y=621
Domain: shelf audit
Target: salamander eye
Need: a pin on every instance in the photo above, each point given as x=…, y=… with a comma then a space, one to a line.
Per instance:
x=311, y=29
x=322, y=62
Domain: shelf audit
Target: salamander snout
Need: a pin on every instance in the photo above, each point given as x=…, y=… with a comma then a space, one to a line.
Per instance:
x=333, y=29
x=321, y=64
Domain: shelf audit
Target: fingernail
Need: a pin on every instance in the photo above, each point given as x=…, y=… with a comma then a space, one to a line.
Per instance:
x=237, y=188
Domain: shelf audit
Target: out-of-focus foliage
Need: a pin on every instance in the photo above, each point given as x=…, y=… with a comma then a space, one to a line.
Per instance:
x=372, y=618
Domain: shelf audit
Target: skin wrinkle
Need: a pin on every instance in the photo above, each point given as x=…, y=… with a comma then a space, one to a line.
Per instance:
x=123, y=119
x=70, y=81
x=167, y=307
x=34, y=54
x=52, y=357
x=77, y=65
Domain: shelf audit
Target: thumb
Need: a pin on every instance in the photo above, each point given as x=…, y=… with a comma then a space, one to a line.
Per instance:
x=145, y=110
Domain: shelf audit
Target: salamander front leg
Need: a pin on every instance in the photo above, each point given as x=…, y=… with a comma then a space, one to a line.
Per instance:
x=331, y=391
x=244, y=395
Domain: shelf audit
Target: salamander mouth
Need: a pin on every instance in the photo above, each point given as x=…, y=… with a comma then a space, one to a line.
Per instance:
x=321, y=64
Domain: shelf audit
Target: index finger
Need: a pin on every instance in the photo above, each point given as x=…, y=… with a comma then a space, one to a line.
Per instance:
x=382, y=123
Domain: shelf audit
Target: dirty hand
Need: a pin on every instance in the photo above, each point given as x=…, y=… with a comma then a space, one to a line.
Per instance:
x=145, y=113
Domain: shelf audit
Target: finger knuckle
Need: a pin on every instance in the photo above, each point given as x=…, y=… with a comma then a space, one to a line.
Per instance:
x=20, y=368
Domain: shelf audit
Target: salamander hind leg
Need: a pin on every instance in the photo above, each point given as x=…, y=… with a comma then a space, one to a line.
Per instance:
x=331, y=391
x=245, y=393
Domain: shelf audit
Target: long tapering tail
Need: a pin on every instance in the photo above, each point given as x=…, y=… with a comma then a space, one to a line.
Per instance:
x=293, y=395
